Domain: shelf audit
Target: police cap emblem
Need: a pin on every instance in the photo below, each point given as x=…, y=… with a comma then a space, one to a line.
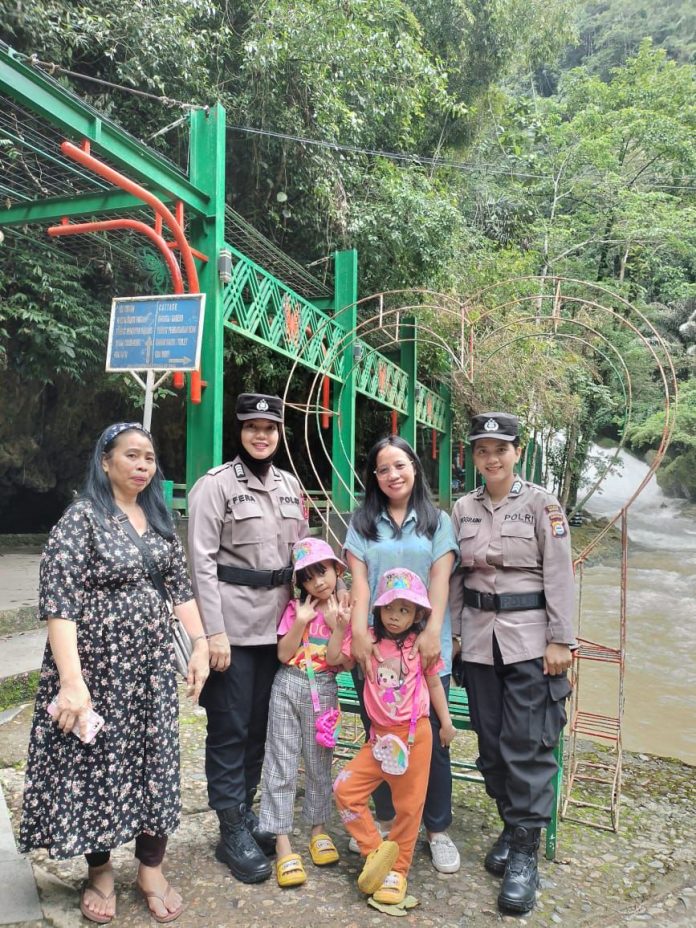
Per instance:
x=491, y=425
x=262, y=405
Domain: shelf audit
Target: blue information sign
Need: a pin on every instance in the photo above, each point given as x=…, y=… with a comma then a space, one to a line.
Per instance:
x=158, y=333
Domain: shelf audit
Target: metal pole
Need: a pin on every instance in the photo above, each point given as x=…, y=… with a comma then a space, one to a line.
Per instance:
x=149, y=393
x=343, y=400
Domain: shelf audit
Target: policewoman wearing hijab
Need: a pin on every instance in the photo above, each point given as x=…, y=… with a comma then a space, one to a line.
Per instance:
x=512, y=602
x=244, y=518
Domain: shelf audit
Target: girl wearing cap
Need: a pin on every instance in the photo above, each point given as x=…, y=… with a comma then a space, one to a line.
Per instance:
x=244, y=518
x=304, y=693
x=400, y=745
x=513, y=603
x=398, y=525
x=110, y=650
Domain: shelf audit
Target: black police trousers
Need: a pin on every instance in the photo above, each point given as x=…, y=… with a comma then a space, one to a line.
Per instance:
x=517, y=713
x=236, y=703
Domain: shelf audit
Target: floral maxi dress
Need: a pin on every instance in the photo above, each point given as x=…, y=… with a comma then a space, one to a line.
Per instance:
x=81, y=798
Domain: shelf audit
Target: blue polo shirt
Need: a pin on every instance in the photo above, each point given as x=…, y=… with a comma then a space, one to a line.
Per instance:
x=415, y=552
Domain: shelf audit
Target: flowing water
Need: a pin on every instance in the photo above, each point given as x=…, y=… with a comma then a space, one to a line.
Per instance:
x=660, y=682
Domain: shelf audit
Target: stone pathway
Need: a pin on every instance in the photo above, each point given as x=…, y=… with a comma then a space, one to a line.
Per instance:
x=19, y=579
x=644, y=876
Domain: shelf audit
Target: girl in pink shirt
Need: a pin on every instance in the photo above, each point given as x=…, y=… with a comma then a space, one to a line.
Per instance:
x=304, y=691
x=398, y=752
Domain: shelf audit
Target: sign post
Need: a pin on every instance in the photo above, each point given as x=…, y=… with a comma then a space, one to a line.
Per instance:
x=155, y=333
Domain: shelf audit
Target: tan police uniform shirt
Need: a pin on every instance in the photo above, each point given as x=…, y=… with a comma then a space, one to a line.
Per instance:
x=241, y=521
x=520, y=545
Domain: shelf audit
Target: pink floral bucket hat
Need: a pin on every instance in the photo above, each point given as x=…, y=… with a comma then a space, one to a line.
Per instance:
x=400, y=583
x=311, y=551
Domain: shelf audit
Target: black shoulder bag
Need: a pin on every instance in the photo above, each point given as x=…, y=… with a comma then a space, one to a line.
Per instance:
x=183, y=646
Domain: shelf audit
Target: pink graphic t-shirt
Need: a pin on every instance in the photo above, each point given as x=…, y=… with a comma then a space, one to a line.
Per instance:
x=319, y=634
x=388, y=700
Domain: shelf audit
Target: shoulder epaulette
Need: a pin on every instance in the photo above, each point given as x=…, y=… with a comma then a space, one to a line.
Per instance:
x=214, y=471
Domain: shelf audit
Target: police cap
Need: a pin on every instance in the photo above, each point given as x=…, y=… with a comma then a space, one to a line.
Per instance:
x=501, y=425
x=259, y=406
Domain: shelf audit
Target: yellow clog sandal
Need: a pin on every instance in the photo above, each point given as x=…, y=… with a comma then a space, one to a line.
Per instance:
x=323, y=850
x=290, y=872
x=378, y=863
x=393, y=889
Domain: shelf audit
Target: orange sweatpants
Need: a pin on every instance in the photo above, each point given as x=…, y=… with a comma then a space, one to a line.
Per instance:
x=359, y=778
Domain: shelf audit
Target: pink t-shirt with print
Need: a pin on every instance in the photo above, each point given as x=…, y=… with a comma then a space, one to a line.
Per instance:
x=319, y=634
x=388, y=700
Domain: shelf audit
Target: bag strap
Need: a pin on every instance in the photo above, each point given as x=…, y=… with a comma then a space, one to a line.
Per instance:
x=310, y=671
x=149, y=561
x=414, y=707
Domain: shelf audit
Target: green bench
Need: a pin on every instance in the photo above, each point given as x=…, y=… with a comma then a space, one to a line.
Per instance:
x=461, y=770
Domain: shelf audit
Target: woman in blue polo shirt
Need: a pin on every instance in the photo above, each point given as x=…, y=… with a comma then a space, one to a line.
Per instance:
x=399, y=526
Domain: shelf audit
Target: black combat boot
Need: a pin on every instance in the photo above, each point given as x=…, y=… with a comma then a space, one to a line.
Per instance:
x=518, y=890
x=496, y=859
x=266, y=840
x=238, y=849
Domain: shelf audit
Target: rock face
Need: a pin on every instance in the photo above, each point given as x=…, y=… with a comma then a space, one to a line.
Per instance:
x=46, y=435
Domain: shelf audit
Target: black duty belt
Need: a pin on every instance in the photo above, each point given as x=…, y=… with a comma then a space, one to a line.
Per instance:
x=247, y=577
x=504, y=602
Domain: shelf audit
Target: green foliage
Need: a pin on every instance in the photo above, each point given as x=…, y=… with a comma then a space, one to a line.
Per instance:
x=677, y=475
x=610, y=32
x=585, y=172
x=49, y=321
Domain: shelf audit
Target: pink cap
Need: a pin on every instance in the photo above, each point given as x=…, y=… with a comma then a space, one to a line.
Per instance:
x=399, y=583
x=311, y=551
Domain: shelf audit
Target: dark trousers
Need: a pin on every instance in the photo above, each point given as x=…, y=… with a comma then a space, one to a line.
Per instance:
x=517, y=714
x=149, y=850
x=437, y=813
x=236, y=703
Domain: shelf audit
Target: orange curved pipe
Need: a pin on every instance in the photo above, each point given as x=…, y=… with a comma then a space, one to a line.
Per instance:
x=83, y=157
x=104, y=225
x=130, y=186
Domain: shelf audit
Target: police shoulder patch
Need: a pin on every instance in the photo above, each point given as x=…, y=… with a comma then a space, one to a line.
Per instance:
x=239, y=471
x=515, y=488
x=557, y=519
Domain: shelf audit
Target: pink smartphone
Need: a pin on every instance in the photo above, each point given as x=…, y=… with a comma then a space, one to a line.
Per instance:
x=94, y=723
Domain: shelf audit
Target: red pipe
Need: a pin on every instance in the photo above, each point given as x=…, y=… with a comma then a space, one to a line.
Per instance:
x=434, y=444
x=104, y=225
x=394, y=422
x=130, y=186
x=325, y=400
x=83, y=157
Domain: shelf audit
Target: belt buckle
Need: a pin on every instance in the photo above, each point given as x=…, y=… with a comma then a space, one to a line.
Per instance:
x=487, y=601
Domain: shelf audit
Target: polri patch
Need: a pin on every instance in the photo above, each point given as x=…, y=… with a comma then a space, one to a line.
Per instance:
x=557, y=520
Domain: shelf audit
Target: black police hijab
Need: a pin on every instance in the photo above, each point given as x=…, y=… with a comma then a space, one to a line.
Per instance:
x=257, y=406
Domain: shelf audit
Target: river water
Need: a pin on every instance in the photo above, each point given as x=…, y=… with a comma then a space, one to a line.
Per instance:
x=660, y=681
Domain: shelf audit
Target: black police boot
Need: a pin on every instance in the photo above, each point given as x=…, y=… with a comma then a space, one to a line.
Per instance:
x=496, y=859
x=518, y=889
x=238, y=849
x=266, y=840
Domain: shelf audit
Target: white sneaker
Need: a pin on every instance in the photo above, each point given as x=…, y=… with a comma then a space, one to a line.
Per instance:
x=353, y=844
x=444, y=853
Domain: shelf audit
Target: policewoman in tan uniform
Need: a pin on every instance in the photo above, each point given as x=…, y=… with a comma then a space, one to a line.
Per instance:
x=512, y=601
x=244, y=518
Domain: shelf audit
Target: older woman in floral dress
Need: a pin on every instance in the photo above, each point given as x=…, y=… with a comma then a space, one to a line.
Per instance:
x=110, y=648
